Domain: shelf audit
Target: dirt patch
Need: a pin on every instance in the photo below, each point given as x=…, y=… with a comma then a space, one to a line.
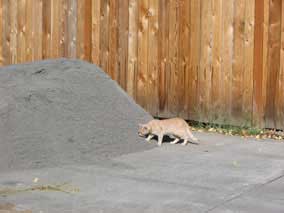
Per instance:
x=11, y=208
x=59, y=112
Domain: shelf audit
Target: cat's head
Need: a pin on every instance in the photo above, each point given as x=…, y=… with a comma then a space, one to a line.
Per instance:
x=143, y=130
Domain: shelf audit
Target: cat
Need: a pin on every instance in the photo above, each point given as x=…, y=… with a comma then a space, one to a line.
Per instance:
x=174, y=127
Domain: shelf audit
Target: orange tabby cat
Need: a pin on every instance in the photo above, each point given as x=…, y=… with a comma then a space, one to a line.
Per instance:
x=173, y=127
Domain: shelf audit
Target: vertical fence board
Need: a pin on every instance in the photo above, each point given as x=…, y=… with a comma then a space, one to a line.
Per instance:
x=46, y=42
x=55, y=27
x=238, y=60
x=279, y=102
x=260, y=61
x=13, y=30
x=80, y=30
x=88, y=30
x=195, y=39
x=248, y=63
x=265, y=57
x=123, y=41
x=173, y=91
x=217, y=82
x=29, y=31
x=273, y=60
x=132, y=48
x=84, y=27
x=96, y=14
x=37, y=29
x=258, y=64
x=21, y=48
x=227, y=54
x=163, y=45
x=71, y=32
x=1, y=33
x=6, y=33
x=142, y=53
x=104, y=39
x=153, y=57
x=184, y=56
x=62, y=27
x=204, y=75
x=113, y=42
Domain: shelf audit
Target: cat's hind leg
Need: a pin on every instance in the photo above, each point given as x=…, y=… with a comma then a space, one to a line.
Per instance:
x=191, y=136
x=175, y=141
x=185, y=141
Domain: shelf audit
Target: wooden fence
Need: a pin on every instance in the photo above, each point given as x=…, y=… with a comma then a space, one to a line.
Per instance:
x=207, y=60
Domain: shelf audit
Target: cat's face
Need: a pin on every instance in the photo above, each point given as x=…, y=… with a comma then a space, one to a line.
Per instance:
x=143, y=130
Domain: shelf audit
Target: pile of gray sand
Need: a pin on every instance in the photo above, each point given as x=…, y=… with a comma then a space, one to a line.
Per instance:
x=58, y=112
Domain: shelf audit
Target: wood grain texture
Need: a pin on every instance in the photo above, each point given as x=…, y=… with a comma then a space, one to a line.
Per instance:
x=132, y=48
x=96, y=7
x=13, y=31
x=113, y=42
x=55, y=27
x=194, y=59
x=204, y=75
x=258, y=64
x=104, y=31
x=279, y=99
x=37, y=30
x=152, y=89
x=217, y=61
x=227, y=62
x=163, y=46
x=1, y=33
x=273, y=61
x=217, y=80
x=247, y=104
x=71, y=32
x=184, y=57
x=46, y=41
x=84, y=26
x=142, y=70
x=123, y=21
x=238, y=60
x=265, y=64
x=174, y=72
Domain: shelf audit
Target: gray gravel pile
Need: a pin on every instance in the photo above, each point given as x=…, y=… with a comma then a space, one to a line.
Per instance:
x=59, y=112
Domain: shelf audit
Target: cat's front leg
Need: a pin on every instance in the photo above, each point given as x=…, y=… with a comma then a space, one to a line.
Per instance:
x=149, y=137
x=160, y=139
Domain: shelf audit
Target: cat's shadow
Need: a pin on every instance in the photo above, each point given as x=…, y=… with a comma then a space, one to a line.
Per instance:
x=168, y=139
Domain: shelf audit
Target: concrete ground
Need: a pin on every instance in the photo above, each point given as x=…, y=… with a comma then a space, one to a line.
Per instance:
x=222, y=174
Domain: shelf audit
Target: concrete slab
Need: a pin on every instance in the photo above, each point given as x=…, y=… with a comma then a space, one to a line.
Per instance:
x=222, y=174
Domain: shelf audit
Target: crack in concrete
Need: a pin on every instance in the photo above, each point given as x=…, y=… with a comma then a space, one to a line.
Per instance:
x=234, y=197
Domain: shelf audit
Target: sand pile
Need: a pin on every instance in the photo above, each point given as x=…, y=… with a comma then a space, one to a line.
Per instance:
x=58, y=112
